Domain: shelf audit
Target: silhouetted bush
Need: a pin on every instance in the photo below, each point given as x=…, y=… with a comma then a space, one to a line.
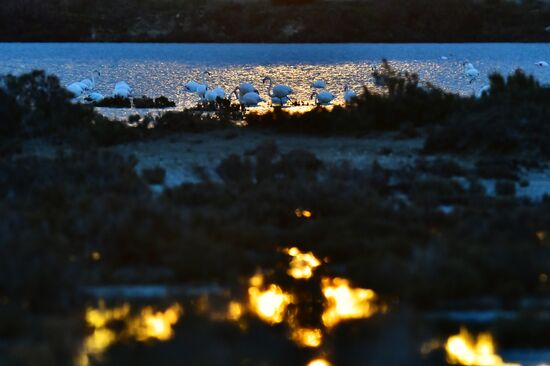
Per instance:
x=512, y=119
x=115, y=102
x=154, y=175
x=146, y=102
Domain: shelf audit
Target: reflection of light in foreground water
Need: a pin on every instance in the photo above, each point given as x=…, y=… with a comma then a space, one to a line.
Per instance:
x=234, y=311
x=344, y=302
x=319, y=362
x=269, y=301
x=154, y=325
x=462, y=349
x=303, y=213
x=148, y=324
x=307, y=337
x=269, y=304
x=302, y=264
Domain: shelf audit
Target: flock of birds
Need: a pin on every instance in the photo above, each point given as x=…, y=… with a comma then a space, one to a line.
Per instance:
x=246, y=93
x=86, y=88
x=280, y=94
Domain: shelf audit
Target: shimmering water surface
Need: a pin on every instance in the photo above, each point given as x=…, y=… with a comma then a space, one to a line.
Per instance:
x=163, y=69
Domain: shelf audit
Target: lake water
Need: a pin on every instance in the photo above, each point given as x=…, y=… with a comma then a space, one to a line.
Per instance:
x=163, y=69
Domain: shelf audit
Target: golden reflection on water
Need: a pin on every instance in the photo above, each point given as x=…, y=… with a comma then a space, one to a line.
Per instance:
x=463, y=349
x=307, y=337
x=345, y=302
x=235, y=311
x=147, y=324
x=319, y=362
x=302, y=265
x=268, y=301
x=306, y=214
x=269, y=304
x=342, y=301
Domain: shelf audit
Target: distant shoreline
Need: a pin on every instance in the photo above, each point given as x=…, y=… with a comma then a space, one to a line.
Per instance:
x=277, y=21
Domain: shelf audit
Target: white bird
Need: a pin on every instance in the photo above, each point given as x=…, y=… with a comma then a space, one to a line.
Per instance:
x=95, y=97
x=249, y=99
x=90, y=83
x=484, y=90
x=323, y=97
x=191, y=86
x=444, y=58
x=349, y=95
x=279, y=91
x=76, y=89
x=470, y=71
x=210, y=96
x=247, y=88
x=319, y=84
x=122, y=89
x=220, y=93
x=122, y=85
x=542, y=64
x=202, y=88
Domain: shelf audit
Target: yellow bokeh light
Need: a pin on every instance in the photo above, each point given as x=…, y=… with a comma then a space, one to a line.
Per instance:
x=235, y=311
x=319, y=362
x=307, y=337
x=148, y=324
x=270, y=304
x=302, y=264
x=303, y=213
x=154, y=325
x=345, y=302
x=462, y=349
x=101, y=316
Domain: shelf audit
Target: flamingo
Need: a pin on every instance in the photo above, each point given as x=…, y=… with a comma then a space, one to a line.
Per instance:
x=201, y=88
x=191, y=86
x=89, y=84
x=279, y=91
x=95, y=97
x=122, y=89
x=76, y=89
x=319, y=84
x=247, y=88
x=349, y=95
x=220, y=93
x=322, y=98
x=249, y=99
x=484, y=90
x=210, y=96
x=470, y=71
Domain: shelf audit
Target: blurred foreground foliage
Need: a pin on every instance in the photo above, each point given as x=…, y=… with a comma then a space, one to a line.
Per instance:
x=426, y=233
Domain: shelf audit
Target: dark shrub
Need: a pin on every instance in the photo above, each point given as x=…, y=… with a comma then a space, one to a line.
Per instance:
x=115, y=102
x=299, y=163
x=235, y=170
x=154, y=175
x=505, y=188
